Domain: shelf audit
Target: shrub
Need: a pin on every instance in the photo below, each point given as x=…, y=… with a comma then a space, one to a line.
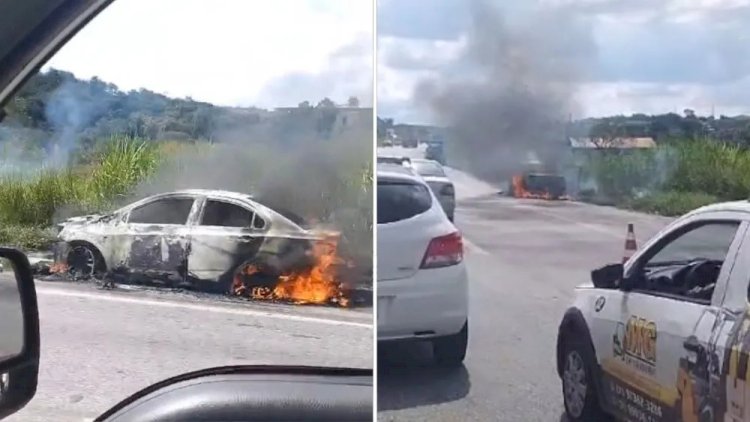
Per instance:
x=671, y=203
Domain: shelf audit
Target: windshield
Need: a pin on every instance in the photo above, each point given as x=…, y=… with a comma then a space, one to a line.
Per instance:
x=426, y=168
x=185, y=117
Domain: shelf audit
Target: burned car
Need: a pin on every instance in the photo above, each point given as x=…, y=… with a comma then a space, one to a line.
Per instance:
x=210, y=239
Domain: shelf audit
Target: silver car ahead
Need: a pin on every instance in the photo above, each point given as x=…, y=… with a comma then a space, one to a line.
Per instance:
x=434, y=174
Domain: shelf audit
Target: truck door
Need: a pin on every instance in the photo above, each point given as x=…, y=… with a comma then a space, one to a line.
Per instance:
x=732, y=344
x=653, y=340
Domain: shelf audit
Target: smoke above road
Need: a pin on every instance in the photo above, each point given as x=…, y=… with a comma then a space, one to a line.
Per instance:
x=519, y=75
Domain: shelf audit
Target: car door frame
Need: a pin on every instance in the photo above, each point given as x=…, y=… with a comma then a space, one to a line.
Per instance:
x=708, y=315
x=174, y=236
x=198, y=261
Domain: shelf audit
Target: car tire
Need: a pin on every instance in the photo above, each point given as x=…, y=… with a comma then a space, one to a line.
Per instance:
x=451, y=350
x=85, y=261
x=580, y=396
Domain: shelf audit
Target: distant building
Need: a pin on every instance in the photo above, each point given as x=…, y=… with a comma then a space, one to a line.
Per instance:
x=582, y=149
x=612, y=143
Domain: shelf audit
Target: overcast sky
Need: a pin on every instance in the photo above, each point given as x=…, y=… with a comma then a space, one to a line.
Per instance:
x=630, y=56
x=264, y=53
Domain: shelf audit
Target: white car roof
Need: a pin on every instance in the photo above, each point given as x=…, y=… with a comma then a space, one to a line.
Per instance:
x=398, y=172
x=738, y=206
x=277, y=218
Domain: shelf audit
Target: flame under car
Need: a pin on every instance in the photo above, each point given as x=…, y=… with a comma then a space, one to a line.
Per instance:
x=538, y=186
x=207, y=239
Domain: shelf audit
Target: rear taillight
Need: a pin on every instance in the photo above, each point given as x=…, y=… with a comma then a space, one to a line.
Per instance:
x=444, y=251
x=447, y=190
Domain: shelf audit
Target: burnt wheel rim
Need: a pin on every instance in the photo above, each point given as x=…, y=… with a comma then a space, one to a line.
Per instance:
x=81, y=262
x=574, y=383
x=251, y=281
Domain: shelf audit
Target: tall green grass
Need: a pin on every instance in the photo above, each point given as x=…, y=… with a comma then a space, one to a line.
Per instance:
x=32, y=201
x=673, y=178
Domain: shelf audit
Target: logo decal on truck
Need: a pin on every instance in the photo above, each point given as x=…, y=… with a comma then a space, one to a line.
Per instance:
x=635, y=343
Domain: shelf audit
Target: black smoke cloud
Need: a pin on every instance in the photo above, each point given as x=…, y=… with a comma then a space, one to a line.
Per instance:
x=524, y=68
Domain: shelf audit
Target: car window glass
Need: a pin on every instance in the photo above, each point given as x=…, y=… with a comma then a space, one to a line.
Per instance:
x=224, y=214
x=259, y=223
x=163, y=211
x=428, y=169
x=401, y=200
x=709, y=241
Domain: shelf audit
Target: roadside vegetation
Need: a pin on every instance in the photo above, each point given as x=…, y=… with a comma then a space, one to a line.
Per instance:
x=676, y=177
x=121, y=169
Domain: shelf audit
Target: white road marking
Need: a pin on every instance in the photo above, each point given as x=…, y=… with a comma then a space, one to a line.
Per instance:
x=46, y=291
x=474, y=248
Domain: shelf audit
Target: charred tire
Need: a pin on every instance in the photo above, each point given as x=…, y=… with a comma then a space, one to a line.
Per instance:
x=85, y=261
x=451, y=350
x=267, y=275
x=578, y=383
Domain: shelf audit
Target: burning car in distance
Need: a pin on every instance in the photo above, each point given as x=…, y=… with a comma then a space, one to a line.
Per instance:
x=209, y=240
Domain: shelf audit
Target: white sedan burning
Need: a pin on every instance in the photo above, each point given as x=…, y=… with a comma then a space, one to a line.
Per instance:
x=217, y=240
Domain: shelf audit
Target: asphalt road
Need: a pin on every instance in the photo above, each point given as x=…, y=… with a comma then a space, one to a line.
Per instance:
x=98, y=347
x=524, y=259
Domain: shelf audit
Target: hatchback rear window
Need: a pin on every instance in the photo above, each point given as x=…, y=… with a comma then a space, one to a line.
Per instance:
x=428, y=169
x=401, y=200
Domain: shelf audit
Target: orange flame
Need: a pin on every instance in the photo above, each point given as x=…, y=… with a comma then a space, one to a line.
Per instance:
x=318, y=284
x=58, y=267
x=520, y=191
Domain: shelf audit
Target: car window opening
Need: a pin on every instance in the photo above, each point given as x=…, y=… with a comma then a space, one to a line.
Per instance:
x=163, y=211
x=689, y=265
x=224, y=214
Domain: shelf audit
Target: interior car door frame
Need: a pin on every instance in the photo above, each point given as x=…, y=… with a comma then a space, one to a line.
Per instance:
x=175, y=233
x=681, y=227
x=210, y=261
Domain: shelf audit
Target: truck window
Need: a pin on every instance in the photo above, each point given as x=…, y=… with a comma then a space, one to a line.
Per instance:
x=689, y=265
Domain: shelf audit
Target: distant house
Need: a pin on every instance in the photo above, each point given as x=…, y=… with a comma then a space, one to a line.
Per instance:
x=612, y=143
x=582, y=149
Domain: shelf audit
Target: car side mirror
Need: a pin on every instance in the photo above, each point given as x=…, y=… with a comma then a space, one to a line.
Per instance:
x=19, y=343
x=608, y=276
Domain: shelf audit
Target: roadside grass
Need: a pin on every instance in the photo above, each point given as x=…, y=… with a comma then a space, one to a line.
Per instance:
x=670, y=204
x=31, y=202
x=675, y=178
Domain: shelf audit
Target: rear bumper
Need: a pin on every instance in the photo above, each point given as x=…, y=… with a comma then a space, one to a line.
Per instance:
x=431, y=303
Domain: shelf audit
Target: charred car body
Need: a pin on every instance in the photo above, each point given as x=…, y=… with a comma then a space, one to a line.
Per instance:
x=202, y=237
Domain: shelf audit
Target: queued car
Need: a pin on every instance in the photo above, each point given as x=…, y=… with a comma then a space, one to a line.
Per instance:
x=422, y=290
x=435, y=152
x=665, y=336
x=200, y=235
x=404, y=161
x=410, y=143
x=434, y=174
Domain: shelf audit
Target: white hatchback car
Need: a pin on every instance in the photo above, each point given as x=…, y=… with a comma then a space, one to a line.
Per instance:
x=665, y=337
x=422, y=278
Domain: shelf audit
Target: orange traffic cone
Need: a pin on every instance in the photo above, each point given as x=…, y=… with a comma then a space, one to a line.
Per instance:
x=630, y=244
